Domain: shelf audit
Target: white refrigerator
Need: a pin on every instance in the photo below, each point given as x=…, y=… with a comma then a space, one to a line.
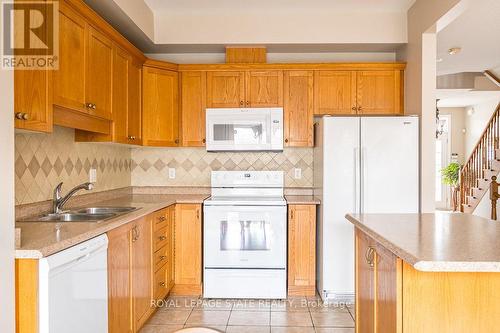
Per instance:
x=361, y=165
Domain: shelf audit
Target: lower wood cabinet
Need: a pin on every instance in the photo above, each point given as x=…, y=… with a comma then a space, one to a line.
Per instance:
x=187, y=239
x=129, y=276
x=301, y=250
x=162, y=252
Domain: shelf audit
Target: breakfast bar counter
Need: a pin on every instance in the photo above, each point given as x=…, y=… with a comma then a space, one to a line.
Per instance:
x=426, y=272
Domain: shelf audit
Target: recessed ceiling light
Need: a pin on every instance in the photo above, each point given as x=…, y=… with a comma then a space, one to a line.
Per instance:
x=454, y=50
x=439, y=59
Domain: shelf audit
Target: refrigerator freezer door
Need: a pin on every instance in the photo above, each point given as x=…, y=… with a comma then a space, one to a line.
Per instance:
x=389, y=165
x=340, y=195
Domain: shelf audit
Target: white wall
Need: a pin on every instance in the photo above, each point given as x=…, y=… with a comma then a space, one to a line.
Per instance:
x=219, y=58
x=7, y=202
x=456, y=131
x=483, y=209
x=278, y=25
x=476, y=122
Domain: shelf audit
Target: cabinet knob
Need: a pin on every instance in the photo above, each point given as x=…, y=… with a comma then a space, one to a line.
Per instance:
x=248, y=103
x=163, y=257
x=176, y=141
x=162, y=284
x=22, y=116
x=286, y=140
x=94, y=106
x=204, y=140
x=354, y=108
x=359, y=108
x=241, y=103
x=162, y=238
x=88, y=105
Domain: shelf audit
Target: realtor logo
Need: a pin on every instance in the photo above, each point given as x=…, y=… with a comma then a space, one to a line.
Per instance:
x=30, y=35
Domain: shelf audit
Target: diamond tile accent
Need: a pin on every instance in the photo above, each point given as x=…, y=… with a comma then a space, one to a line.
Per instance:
x=20, y=167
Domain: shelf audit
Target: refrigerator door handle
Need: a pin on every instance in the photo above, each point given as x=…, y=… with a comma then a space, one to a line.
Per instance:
x=356, y=180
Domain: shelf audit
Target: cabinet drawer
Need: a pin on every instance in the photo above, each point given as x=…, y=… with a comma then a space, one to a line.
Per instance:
x=160, y=238
x=162, y=256
x=160, y=219
x=161, y=283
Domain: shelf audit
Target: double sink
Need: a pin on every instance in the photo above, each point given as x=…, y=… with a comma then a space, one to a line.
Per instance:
x=89, y=214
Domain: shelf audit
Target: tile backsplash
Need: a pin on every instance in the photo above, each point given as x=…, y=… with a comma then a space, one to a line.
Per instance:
x=193, y=165
x=44, y=160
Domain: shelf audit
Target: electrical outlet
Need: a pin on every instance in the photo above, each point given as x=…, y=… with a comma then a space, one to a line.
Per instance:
x=93, y=175
x=171, y=173
x=297, y=173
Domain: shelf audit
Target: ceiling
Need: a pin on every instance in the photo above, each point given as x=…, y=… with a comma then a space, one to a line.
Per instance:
x=477, y=32
x=343, y=5
x=463, y=98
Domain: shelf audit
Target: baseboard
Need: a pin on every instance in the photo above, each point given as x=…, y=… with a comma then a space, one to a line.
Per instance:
x=301, y=290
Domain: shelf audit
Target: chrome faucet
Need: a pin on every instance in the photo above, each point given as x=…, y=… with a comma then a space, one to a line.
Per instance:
x=59, y=201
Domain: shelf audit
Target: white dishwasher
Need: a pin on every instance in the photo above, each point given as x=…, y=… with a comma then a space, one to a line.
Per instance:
x=73, y=289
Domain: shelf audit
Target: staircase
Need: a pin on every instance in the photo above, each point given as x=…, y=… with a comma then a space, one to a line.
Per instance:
x=483, y=163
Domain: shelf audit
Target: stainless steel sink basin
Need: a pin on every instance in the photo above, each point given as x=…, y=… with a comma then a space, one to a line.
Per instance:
x=90, y=214
x=72, y=217
x=105, y=210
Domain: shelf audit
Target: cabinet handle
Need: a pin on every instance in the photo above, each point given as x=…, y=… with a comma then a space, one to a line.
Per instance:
x=241, y=103
x=370, y=256
x=162, y=284
x=161, y=219
x=197, y=213
x=354, y=108
x=134, y=234
x=359, y=108
x=163, y=257
x=88, y=105
x=291, y=214
x=162, y=238
x=94, y=106
x=22, y=116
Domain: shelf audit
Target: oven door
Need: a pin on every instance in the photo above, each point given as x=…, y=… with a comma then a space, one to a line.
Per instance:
x=245, y=237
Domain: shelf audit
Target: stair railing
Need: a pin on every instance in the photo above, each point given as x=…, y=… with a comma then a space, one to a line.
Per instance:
x=481, y=157
x=494, y=196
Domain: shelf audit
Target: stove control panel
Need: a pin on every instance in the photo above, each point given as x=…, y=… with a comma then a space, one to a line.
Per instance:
x=247, y=179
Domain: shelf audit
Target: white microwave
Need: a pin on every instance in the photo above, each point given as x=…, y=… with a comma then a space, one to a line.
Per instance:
x=244, y=129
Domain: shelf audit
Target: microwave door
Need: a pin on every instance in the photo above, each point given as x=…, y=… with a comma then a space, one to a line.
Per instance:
x=243, y=135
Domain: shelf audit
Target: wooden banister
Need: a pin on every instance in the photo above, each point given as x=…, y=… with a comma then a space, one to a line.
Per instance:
x=494, y=196
x=480, y=159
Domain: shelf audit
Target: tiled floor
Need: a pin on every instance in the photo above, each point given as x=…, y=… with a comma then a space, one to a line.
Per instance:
x=295, y=315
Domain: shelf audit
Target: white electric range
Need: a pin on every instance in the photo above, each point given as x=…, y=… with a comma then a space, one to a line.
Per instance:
x=245, y=232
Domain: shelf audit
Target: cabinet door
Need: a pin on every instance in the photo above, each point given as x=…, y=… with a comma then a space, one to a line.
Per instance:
x=334, y=92
x=188, y=247
x=69, y=79
x=160, y=107
x=301, y=250
x=365, y=285
x=121, y=63
x=389, y=286
x=225, y=89
x=135, y=104
x=264, y=89
x=298, y=108
x=193, y=103
x=119, y=269
x=32, y=100
x=142, y=290
x=98, y=86
x=379, y=92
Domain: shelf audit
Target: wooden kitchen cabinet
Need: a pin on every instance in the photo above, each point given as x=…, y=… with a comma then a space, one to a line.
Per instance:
x=193, y=104
x=264, y=88
x=134, y=121
x=160, y=107
x=187, y=240
x=121, y=64
x=98, y=83
x=225, y=89
x=298, y=108
x=162, y=252
x=379, y=92
x=378, y=287
x=69, y=80
x=301, y=250
x=129, y=276
x=334, y=92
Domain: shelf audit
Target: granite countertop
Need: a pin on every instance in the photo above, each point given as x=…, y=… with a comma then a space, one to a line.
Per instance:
x=302, y=200
x=439, y=242
x=40, y=239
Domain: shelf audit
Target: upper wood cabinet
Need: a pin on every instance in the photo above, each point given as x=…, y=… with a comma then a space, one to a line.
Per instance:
x=231, y=89
x=193, y=104
x=121, y=64
x=379, y=92
x=298, y=108
x=69, y=80
x=160, y=107
x=187, y=240
x=99, y=76
x=134, y=120
x=334, y=92
x=301, y=250
x=264, y=89
x=225, y=89
x=358, y=92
